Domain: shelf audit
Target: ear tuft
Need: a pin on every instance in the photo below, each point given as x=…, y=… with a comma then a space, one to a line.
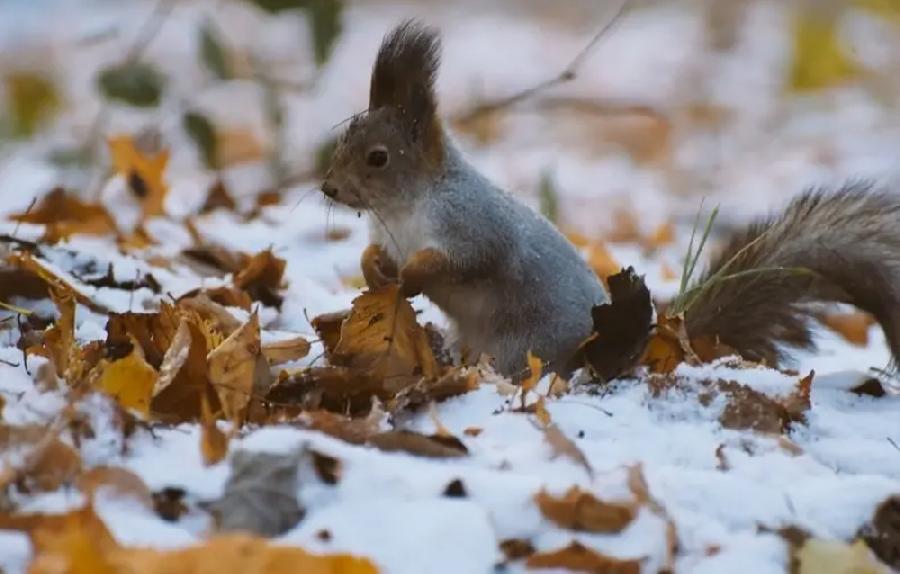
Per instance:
x=405, y=72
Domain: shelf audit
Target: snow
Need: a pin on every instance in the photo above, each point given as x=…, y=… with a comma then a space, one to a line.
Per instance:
x=390, y=506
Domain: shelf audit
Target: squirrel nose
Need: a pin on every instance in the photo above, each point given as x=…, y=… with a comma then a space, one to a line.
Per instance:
x=329, y=190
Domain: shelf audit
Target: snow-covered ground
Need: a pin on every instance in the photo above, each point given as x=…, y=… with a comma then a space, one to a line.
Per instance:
x=724, y=490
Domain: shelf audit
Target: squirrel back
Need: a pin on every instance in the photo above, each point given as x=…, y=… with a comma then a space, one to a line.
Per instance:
x=841, y=246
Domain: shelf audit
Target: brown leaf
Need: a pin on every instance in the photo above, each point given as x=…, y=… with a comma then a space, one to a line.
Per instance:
x=213, y=315
x=435, y=446
x=621, y=328
x=117, y=479
x=871, y=387
x=451, y=384
x=181, y=399
x=564, y=446
x=176, y=355
x=213, y=442
x=218, y=198
x=38, y=268
x=64, y=215
x=143, y=172
x=853, y=327
x=152, y=331
x=580, y=510
x=59, y=339
x=261, y=278
x=669, y=346
x=535, y=368
x=239, y=554
x=130, y=380
x=516, y=548
x=382, y=338
x=579, y=558
x=354, y=431
x=51, y=465
x=237, y=369
x=882, y=534
x=663, y=235
x=328, y=327
x=285, y=350
x=473, y=431
x=750, y=409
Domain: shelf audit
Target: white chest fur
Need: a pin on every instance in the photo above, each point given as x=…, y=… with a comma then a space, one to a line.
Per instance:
x=401, y=234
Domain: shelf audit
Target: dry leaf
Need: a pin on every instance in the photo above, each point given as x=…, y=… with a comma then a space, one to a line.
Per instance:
x=578, y=558
x=473, y=431
x=621, y=328
x=669, y=346
x=661, y=236
x=261, y=278
x=580, y=510
x=213, y=442
x=144, y=173
x=564, y=446
x=601, y=261
x=64, y=214
x=240, y=554
x=328, y=327
x=237, y=146
x=218, y=198
x=116, y=479
x=853, y=327
x=237, y=369
x=130, y=381
x=381, y=338
x=182, y=398
x=836, y=557
x=285, y=350
x=516, y=548
x=435, y=446
x=535, y=369
x=882, y=534
x=626, y=228
x=175, y=357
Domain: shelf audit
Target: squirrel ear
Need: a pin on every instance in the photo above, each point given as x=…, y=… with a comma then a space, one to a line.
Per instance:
x=404, y=74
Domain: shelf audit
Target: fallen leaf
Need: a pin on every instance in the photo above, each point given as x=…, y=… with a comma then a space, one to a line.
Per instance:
x=535, y=369
x=181, y=400
x=218, y=198
x=143, y=172
x=516, y=548
x=237, y=369
x=541, y=412
x=130, y=381
x=601, y=261
x=236, y=146
x=175, y=357
x=473, y=431
x=564, y=446
x=621, y=328
x=853, y=327
x=213, y=442
x=819, y=58
x=870, y=387
x=327, y=468
x=63, y=214
x=382, y=338
x=579, y=558
x=434, y=446
x=328, y=327
x=818, y=556
x=581, y=510
x=285, y=350
x=663, y=235
x=626, y=228
x=115, y=479
x=239, y=554
x=882, y=533
x=261, y=278
x=261, y=494
x=212, y=313
x=354, y=431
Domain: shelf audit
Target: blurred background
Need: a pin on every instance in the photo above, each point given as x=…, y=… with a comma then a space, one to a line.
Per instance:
x=740, y=102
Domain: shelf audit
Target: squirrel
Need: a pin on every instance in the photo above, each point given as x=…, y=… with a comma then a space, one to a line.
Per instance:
x=507, y=279
x=512, y=284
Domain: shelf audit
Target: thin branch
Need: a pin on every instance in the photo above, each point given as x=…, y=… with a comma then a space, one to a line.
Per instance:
x=568, y=74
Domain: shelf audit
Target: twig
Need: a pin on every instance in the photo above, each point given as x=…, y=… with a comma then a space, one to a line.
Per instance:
x=568, y=74
x=150, y=29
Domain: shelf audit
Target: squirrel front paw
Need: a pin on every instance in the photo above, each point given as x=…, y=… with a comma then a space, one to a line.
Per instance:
x=377, y=267
x=420, y=269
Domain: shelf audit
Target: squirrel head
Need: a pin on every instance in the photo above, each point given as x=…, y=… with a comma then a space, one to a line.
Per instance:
x=388, y=153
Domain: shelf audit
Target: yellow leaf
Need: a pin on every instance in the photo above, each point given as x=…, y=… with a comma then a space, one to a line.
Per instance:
x=142, y=172
x=238, y=554
x=213, y=442
x=130, y=380
x=819, y=59
x=234, y=368
x=836, y=557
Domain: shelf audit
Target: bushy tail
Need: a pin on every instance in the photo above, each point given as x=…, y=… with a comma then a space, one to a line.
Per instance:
x=841, y=246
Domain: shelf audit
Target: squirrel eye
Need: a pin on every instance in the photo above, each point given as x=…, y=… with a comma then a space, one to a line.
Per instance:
x=377, y=157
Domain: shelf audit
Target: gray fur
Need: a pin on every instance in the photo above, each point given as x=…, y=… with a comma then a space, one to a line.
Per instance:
x=520, y=284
